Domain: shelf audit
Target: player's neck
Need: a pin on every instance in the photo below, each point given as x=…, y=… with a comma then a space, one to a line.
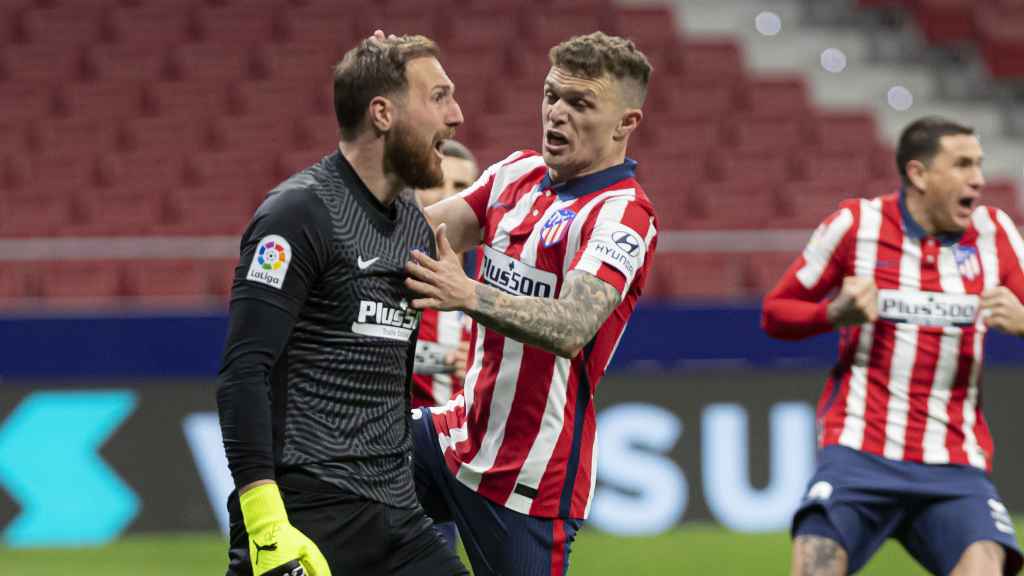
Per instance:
x=915, y=203
x=565, y=175
x=366, y=158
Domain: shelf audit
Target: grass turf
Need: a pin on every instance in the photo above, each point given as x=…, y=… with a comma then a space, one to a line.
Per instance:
x=695, y=549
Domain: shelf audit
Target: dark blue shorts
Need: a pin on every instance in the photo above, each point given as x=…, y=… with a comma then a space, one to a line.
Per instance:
x=860, y=499
x=497, y=540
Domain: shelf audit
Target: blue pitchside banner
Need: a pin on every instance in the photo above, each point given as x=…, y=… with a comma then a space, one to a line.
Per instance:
x=661, y=336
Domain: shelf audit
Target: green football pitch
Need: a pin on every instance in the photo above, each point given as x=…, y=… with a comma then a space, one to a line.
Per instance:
x=699, y=550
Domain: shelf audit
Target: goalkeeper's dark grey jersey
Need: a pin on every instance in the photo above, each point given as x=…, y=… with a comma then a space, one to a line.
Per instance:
x=319, y=355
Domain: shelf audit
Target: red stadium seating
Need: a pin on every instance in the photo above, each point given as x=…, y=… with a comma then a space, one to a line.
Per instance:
x=100, y=100
x=164, y=133
x=233, y=25
x=25, y=101
x=271, y=99
x=38, y=63
x=697, y=275
x=125, y=63
x=69, y=136
x=73, y=23
x=782, y=97
x=149, y=25
x=211, y=62
x=191, y=100
x=157, y=280
x=81, y=280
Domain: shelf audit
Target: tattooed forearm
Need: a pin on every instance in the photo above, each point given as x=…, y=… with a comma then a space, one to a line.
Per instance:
x=562, y=326
x=819, y=556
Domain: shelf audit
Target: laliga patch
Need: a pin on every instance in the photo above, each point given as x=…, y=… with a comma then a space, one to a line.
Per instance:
x=556, y=227
x=270, y=262
x=618, y=246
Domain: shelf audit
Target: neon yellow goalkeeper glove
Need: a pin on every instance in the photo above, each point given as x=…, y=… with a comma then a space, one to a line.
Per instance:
x=275, y=546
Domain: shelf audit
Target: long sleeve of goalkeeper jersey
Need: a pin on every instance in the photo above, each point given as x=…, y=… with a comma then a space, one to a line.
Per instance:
x=796, y=307
x=283, y=251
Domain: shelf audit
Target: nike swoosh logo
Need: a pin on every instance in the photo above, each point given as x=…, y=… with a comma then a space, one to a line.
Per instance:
x=364, y=264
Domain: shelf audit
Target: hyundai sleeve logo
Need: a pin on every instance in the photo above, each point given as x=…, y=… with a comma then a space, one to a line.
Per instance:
x=627, y=242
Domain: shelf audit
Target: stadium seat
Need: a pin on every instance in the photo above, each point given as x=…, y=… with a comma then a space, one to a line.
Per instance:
x=185, y=99
x=1003, y=195
x=69, y=23
x=732, y=205
x=211, y=209
x=115, y=62
x=696, y=275
x=164, y=133
x=480, y=32
x=148, y=25
x=297, y=63
x=149, y=171
x=121, y=210
x=557, y=26
x=257, y=133
x=81, y=280
x=239, y=172
x=840, y=132
x=26, y=217
x=758, y=166
x=235, y=24
x=206, y=62
x=324, y=25
x=945, y=21
x=780, y=97
x=18, y=282
x=317, y=132
x=835, y=168
x=40, y=63
x=711, y=62
x=221, y=275
x=13, y=138
x=650, y=27
x=154, y=281
x=756, y=135
x=289, y=163
x=805, y=205
x=69, y=136
x=100, y=100
x=476, y=70
x=1001, y=40
x=683, y=100
x=22, y=101
x=271, y=99
x=767, y=268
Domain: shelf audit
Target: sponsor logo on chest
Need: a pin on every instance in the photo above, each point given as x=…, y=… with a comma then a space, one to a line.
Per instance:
x=383, y=321
x=513, y=277
x=928, y=308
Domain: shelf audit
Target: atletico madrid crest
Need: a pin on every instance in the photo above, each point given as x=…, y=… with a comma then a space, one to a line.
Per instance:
x=967, y=261
x=556, y=227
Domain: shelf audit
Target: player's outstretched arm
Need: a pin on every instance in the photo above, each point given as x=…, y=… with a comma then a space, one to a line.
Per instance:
x=562, y=326
x=461, y=225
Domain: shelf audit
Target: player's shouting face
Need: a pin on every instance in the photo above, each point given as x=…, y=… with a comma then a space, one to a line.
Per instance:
x=586, y=123
x=427, y=116
x=951, y=181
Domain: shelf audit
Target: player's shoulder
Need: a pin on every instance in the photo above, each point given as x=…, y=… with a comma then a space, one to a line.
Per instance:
x=517, y=164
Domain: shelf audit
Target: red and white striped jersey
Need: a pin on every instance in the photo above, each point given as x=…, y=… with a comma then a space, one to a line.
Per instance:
x=906, y=386
x=439, y=333
x=522, y=433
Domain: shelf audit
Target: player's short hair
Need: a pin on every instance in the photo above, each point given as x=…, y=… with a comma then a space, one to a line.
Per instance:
x=596, y=54
x=374, y=68
x=456, y=149
x=920, y=140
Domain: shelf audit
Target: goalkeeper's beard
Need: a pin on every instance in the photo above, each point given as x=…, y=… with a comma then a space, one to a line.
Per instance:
x=414, y=162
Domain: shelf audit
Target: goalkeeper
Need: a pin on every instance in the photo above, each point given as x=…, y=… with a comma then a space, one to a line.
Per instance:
x=314, y=391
